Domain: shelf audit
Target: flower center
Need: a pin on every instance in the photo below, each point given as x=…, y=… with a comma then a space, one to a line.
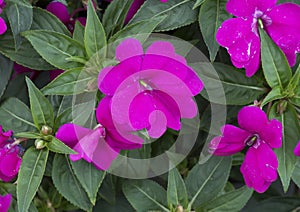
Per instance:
x=261, y=19
x=145, y=85
x=253, y=140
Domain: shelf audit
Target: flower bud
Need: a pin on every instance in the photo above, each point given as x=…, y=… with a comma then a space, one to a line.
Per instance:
x=39, y=144
x=46, y=130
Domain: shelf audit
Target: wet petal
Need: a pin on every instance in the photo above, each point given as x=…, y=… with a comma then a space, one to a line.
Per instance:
x=284, y=29
x=242, y=43
x=259, y=167
x=133, y=9
x=165, y=49
x=158, y=123
x=5, y=202
x=233, y=140
x=297, y=149
x=70, y=134
x=245, y=8
x=252, y=119
x=10, y=164
x=4, y=136
x=272, y=134
x=3, y=26
x=129, y=48
x=59, y=10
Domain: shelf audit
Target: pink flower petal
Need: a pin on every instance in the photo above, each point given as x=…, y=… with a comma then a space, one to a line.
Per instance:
x=166, y=49
x=129, y=48
x=246, y=8
x=252, y=119
x=259, y=167
x=233, y=140
x=59, y=10
x=3, y=26
x=133, y=9
x=10, y=163
x=55, y=73
x=158, y=123
x=242, y=43
x=297, y=149
x=284, y=29
x=272, y=134
x=70, y=134
x=5, y=202
x=4, y=136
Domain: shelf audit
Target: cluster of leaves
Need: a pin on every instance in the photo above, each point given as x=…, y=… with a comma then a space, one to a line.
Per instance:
x=49, y=181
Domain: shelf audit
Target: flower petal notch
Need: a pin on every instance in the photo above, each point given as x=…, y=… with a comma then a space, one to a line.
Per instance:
x=260, y=165
x=240, y=35
x=147, y=95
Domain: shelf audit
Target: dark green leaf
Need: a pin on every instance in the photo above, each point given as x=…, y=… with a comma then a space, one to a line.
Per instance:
x=296, y=98
x=238, y=89
x=94, y=34
x=145, y=195
x=29, y=135
x=24, y=3
x=278, y=204
x=133, y=30
x=57, y=146
x=89, y=177
x=291, y=134
x=70, y=82
x=114, y=16
x=293, y=89
x=17, y=116
x=42, y=19
x=121, y=205
x=275, y=65
x=26, y=55
x=78, y=33
x=212, y=14
x=177, y=194
x=205, y=181
x=20, y=19
x=67, y=184
x=198, y=3
x=274, y=94
x=173, y=9
x=232, y=201
x=6, y=66
x=41, y=108
x=296, y=174
x=56, y=48
x=30, y=176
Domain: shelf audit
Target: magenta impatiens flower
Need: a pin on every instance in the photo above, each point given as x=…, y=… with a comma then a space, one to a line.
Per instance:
x=260, y=135
x=10, y=160
x=3, y=26
x=101, y=145
x=151, y=90
x=5, y=202
x=241, y=38
x=297, y=149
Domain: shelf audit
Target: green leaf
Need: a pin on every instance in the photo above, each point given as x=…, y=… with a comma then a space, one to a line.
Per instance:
x=212, y=14
x=42, y=19
x=275, y=65
x=57, y=146
x=41, y=109
x=89, y=177
x=26, y=55
x=296, y=174
x=296, y=98
x=17, y=116
x=70, y=82
x=67, y=184
x=121, y=205
x=145, y=195
x=205, y=181
x=29, y=135
x=78, y=33
x=30, y=176
x=6, y=67
x=173, y=9
x=239, y=89
x=56, y=48
x=176, y=193
x=20, y=19
x=291, y=134
x=278, y=204
x=231, y=201
x=115, y=15
x=94, y=34
x=24, y=3
x=198, y=3
x=274, y=94
x=293, y=89
x=133, y=30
